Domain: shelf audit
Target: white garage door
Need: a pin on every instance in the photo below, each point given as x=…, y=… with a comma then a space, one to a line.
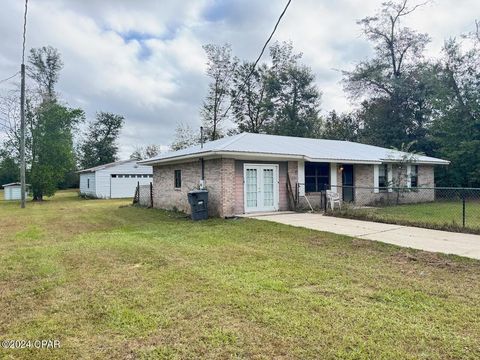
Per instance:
x=123, y=186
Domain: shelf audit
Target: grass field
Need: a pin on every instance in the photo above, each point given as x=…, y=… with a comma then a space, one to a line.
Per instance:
x=113, y=281
x=437, y=215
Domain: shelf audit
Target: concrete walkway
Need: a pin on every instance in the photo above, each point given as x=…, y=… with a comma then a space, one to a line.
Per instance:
x=412, y=237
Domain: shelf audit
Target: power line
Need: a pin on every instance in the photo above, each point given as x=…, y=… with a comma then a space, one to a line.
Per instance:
x=259, y=56
x=11, y=77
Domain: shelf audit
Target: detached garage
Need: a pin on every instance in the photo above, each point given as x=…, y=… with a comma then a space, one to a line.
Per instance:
x=114, y=180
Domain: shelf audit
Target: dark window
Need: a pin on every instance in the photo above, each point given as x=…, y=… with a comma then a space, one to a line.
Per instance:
x=178, y=179
x=114, y=176
x=414, y=176
x=383, y=176
x=317, y=176
x=88, y=183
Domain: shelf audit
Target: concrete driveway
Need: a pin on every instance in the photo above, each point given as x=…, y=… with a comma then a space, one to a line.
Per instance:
x=411, y=237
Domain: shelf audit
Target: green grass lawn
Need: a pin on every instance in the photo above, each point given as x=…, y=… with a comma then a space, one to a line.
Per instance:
x=114, y=281
x=442, y=215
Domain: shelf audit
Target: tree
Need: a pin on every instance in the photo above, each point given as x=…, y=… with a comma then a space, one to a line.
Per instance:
x=341, y=127
x=53, y=155
x=249, y=98
x=185, y=137
x=44, y=68
x=146, y=152
x=100, y=140
x=220, y=68
x=456, y=126
x=293, y=95
x=49, y=126
x=400, y=180
x=392, y=84
x=9, y=168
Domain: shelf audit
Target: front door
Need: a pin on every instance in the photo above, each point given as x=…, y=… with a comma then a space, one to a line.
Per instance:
x=347, y=183
x=261, y=187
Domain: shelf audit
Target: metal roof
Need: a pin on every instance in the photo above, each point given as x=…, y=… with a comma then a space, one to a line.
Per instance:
x=106, y=166
x=288, y=147
x=14, y=184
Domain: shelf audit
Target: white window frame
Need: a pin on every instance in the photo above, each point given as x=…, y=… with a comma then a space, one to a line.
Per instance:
x=376, y=177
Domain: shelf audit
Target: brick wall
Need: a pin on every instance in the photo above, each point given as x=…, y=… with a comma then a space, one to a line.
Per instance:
x=224, y=181
x=219, y=174
x=363, y=177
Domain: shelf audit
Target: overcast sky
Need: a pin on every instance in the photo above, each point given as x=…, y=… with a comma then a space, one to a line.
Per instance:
x=144, y=59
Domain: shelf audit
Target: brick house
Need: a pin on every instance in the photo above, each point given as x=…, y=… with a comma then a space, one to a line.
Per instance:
x=256, y=172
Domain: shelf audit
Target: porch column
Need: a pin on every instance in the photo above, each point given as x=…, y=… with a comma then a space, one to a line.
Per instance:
x=376, y=173
x=333, y=177
x=301, y=178
x=390, y=177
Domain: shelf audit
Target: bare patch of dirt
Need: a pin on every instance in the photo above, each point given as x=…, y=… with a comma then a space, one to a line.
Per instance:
x=431, y=259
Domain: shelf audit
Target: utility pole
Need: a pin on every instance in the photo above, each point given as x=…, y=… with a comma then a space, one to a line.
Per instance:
x=23, y=187
x=22, y=135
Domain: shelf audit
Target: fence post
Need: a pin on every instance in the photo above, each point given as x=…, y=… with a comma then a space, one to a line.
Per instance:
x=151, y=195
x=463, y=210
x=136, y=197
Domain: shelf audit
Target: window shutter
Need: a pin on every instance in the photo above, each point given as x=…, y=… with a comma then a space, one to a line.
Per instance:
x=376, y=173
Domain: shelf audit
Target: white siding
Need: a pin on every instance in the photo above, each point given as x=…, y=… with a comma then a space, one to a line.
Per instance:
x=125, y=187
x=13, y=193
x=87, y=184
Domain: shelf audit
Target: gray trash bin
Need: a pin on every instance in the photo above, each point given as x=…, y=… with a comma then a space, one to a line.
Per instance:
x=198, y=200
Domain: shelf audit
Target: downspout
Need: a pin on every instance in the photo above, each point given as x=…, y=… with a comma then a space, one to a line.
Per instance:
x=202, y=181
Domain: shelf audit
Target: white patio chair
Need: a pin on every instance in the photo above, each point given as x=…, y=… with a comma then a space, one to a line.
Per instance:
x=333, y=198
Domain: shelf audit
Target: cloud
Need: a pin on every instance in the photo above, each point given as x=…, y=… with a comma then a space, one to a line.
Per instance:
x=144, y=59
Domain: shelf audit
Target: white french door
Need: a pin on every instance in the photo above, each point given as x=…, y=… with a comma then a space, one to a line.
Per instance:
x=261, y=187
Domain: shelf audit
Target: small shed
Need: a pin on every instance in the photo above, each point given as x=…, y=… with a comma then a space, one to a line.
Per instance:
x=115, y=180
x=13, y=191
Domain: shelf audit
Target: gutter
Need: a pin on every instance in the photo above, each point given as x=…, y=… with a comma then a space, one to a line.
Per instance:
x=220, y=153
x=211, y=153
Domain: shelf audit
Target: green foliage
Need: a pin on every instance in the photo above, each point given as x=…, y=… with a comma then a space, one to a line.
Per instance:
x=100, y=144
x=340, y=127
x=456, y=129
x=250, y=103
x=293, y=95
x=393, y=84
x=53, y=155
x=9, y=168
x=220, y=69
x=44, y=67
x=161, y=286
x=280, y=98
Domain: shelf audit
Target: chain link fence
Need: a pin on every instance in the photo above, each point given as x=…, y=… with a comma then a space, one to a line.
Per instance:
x=452, y=209
x=143, y=195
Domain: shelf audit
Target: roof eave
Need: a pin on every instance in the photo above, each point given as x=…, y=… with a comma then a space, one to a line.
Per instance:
x=420, y=162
